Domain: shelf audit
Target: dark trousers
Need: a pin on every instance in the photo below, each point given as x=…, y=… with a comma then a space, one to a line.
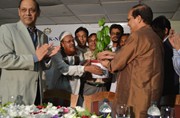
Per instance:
x=38, y=96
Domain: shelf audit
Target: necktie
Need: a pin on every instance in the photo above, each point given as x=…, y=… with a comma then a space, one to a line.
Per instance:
x=32, y=32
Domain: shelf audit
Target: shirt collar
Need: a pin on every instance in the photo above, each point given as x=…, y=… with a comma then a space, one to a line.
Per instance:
x=32, y=29
x=165, y=39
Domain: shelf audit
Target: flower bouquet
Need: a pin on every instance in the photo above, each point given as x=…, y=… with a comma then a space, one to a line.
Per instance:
x=10, y=110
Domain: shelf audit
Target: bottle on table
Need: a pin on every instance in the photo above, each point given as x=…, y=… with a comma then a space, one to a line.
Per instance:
x=19, y=100
x=128, y=112
x=153, y=111
x=105, y=109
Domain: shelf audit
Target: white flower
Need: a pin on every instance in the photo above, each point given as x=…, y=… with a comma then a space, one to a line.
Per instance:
x=70, y=114
x=31, y=111
x=94, y=116
x=79, y=109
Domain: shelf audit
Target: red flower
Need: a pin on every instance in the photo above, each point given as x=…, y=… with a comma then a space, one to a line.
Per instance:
x=58, y=106
x=65, y=110
x=40, y=107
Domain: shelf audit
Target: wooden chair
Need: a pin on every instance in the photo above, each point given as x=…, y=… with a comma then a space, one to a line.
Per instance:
x=60, y=97
x=177, y=106
x=168, y=100
x=91, y=102
x=177, y=102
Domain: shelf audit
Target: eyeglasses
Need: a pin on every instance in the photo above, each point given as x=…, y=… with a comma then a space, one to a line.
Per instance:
x=24, y=10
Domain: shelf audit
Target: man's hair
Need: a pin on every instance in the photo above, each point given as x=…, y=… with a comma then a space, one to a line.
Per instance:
x=159, y=25
x=91, y=36
x=144, y=11
x=37, y=5
x=116, y=26
x=81, y=29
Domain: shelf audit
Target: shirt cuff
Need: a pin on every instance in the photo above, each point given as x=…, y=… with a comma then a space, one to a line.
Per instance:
x=82, y=69
x=178, y=51
x=35, y=58
x=48, y=63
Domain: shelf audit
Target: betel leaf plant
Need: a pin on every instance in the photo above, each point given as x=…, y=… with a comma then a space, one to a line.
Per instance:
x=103, y=38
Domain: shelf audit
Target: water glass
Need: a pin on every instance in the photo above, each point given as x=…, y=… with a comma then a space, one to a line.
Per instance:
x=0, y=101
x=121, y=111
x=167, y=112
x=11, y=98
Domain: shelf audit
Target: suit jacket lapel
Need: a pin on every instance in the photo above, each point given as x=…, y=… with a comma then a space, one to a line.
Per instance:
x=42, y=38
x=23, y=30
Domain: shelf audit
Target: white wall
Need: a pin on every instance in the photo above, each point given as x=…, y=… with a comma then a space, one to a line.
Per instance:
x=175, y=25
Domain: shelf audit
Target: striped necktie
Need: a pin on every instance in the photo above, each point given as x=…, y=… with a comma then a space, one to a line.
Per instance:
x=33, y=34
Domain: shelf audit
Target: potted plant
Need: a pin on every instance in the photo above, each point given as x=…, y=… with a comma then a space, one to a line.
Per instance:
x=102, y=36
x=103, y=40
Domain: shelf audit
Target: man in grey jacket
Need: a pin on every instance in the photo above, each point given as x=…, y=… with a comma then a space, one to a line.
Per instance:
x=24, y=53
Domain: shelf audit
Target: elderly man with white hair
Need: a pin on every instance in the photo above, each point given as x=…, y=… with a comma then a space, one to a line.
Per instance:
x=67, y=65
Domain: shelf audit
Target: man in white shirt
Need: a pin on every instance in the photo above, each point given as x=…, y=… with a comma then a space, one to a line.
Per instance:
x=67, y=65
x=116, y=31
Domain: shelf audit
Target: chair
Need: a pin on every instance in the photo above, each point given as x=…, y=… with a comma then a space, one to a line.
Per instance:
x=93, y=101
x=177, y=106
x=60, y=97
x=177, y=102
x=168, y=100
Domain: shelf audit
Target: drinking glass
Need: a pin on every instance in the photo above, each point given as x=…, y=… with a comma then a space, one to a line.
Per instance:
x=167, y=112
x=121, y=111
x=11, y=98
x=0, y=100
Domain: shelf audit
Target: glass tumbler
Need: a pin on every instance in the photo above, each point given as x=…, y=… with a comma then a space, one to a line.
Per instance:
x=11, y=98
x=167, y=112
x=121, y=111
x=0, y=101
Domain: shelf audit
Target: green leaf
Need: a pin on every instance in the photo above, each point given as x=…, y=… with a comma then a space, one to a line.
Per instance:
x=2, y=111
x=106, y=30
x=102, y=36
x=99, y=35
x=109, y=116
x=100, y=46
x=7, y=104
x=101, y=22
x=82, y=113
x=107, y=40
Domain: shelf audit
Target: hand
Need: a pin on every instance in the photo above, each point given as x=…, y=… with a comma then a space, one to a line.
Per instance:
x=86, y=62
x=41, y=51
x=93, y=69
x=105, y=55
x=174, y=39
x=53, y=50
x=171, y=37
x=105, y=63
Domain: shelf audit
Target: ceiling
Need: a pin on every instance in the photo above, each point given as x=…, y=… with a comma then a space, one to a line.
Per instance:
x=55, y=12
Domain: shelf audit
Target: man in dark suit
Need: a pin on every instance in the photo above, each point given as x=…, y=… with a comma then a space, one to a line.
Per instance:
x=161, y=25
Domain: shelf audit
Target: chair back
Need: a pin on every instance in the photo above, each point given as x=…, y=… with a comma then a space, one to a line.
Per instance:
x=177, y=101
x=177, y=106
x=60, y=97
x=92, y=102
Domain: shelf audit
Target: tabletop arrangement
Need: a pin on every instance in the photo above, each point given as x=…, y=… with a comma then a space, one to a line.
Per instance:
x=10, y=110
